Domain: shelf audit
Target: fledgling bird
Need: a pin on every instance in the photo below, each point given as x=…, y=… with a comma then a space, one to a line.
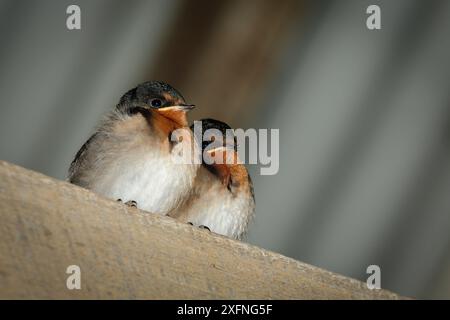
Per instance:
x=131, y=156
x=223, y=199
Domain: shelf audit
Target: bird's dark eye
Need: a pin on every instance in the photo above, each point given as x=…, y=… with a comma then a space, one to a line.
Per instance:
x=156, y=103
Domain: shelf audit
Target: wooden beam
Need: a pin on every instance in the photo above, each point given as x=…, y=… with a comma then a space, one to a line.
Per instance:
x=47, y=225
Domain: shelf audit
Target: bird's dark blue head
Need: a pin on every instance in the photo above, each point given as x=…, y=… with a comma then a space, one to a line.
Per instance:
x=157, y=96
x=227, y=136
x=233, y=175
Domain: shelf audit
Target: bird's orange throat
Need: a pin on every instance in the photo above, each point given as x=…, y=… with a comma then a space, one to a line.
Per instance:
x=153, y=123
x=176, y=116
x=231, y=173
x=227, y=167
x=222, y=172
x=168, y=121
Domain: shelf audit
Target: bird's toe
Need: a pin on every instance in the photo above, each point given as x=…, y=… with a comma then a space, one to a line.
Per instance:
x=204, y=227
x=131, y=203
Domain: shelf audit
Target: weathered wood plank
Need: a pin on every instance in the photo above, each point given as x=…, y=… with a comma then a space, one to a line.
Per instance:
x=47, y=225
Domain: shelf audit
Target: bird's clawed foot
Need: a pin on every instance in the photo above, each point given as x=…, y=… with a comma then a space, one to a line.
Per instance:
x=204, y=227
x=200, y=227
x=130, y=203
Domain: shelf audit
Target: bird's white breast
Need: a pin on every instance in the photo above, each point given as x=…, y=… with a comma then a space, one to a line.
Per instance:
x=131, y=163
x=152, y=180
x=214, y=206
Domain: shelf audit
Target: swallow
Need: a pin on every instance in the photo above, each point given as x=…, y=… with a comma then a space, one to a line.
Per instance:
x=130, y=157
x=222, y=200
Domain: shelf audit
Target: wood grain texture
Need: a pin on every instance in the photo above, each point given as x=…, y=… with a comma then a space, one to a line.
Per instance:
x=47, y=225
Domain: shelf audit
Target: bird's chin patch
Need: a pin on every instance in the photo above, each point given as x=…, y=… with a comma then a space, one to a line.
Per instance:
x=222, y=171
x=176, y=115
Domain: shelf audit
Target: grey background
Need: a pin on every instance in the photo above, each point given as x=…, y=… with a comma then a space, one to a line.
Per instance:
x=363, y=116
